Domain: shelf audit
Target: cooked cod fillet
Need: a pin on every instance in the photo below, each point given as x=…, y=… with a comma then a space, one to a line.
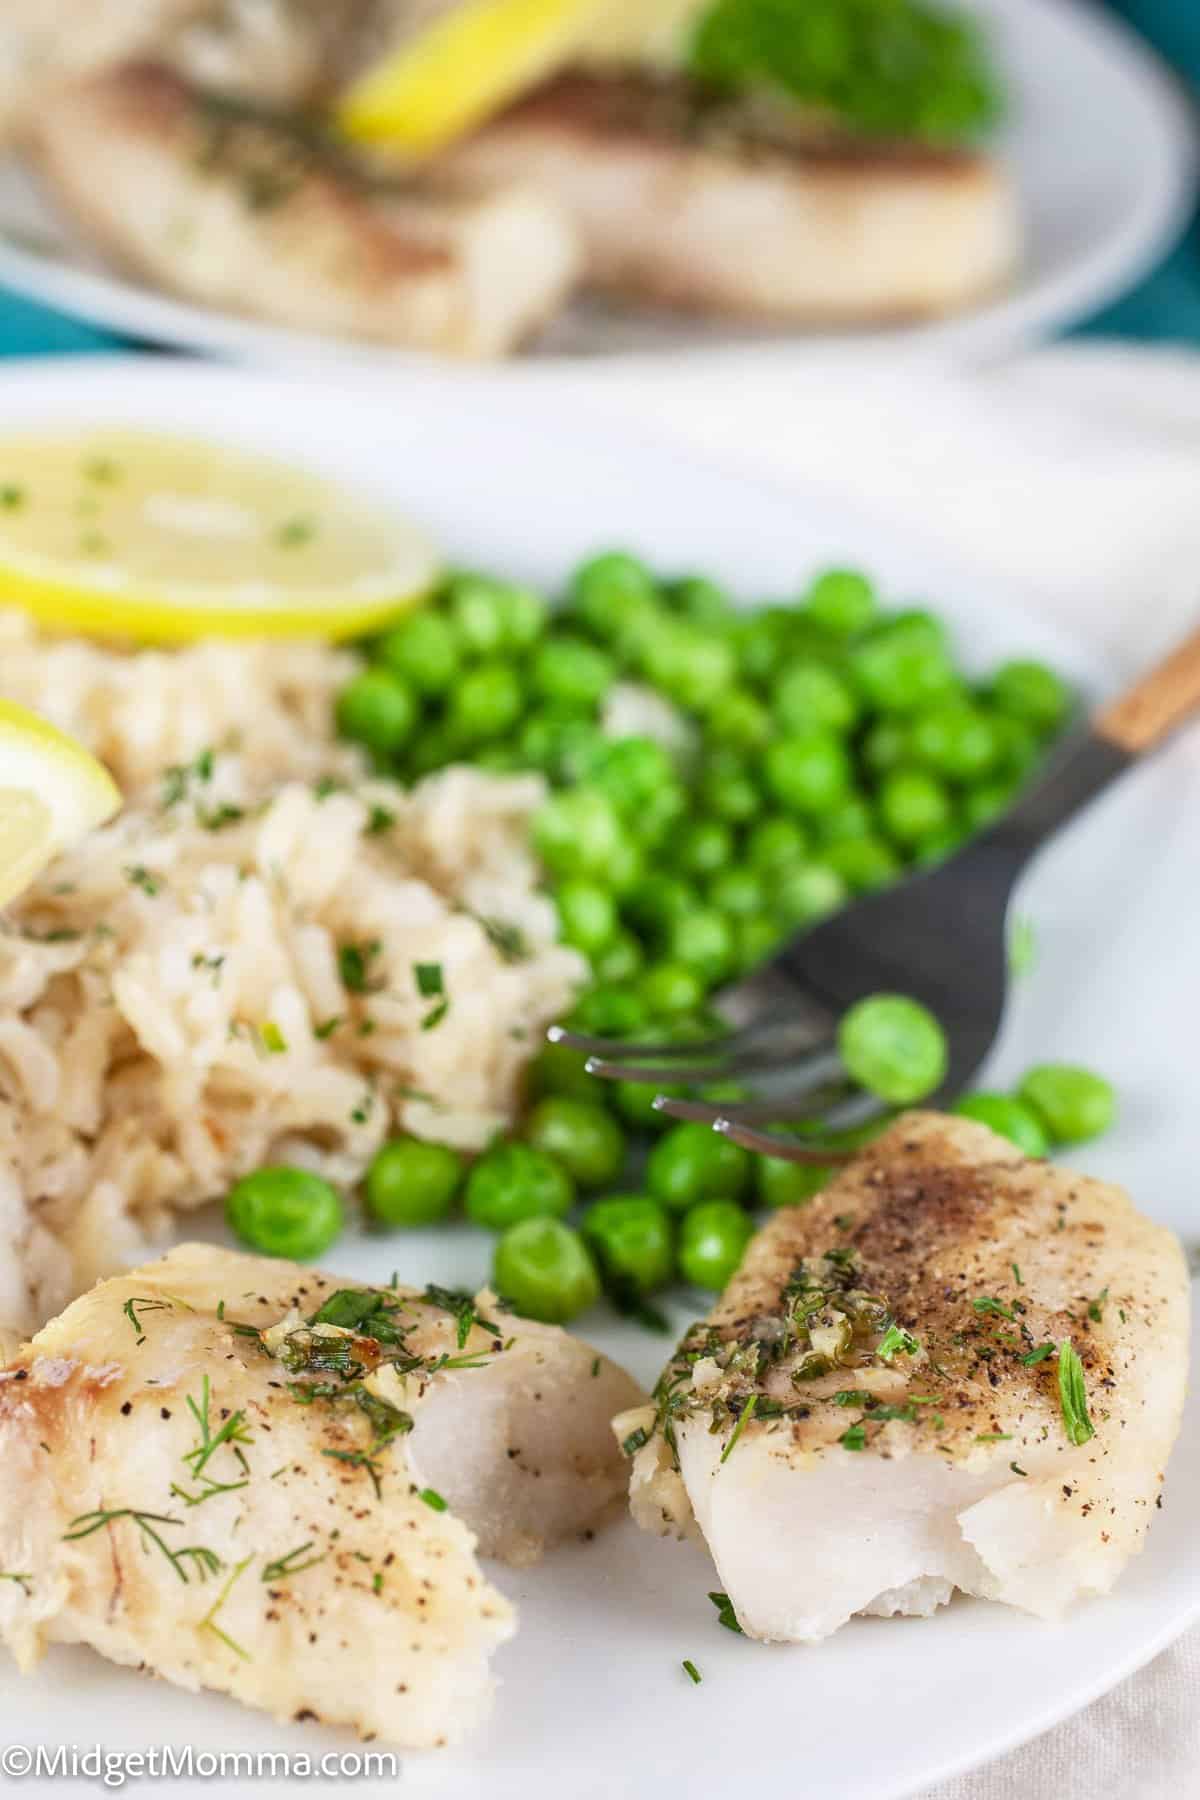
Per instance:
x=708, y=206
x=195, y=1479
x=238, y=211
x=871, y=1416
x=42, y=44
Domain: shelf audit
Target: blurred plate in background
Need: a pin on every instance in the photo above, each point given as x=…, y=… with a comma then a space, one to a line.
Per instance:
x=1099, y=138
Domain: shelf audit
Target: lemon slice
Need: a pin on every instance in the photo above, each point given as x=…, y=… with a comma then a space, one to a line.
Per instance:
x=462, y=67
x=131, y=534
x=52, y=793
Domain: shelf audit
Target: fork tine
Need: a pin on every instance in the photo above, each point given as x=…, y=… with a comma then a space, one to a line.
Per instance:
x=818, y=1090
x=730, y=1068
x=789, y=1149
x=731, y=1042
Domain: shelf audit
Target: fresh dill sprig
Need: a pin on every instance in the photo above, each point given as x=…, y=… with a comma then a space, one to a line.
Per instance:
x=1072, y=1394
x=202, y=1561
x=283, y=1566
x=130, y=1309
x=209, y=1621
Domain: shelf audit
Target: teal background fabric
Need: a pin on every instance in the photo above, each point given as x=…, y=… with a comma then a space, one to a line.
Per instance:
x=1164, y=307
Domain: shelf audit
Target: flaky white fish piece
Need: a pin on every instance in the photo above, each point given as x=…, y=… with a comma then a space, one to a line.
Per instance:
x=201, y=1474
x=208, y=199
x=707, y=206
x=955, y=1368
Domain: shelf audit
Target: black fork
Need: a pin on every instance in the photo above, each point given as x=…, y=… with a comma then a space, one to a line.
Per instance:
x=939, y=936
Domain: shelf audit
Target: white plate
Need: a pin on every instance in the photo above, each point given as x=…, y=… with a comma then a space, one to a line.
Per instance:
x=594, y=1702
x=1099, y=140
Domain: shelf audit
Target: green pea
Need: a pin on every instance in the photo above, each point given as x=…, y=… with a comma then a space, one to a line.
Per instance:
x=423, y=650
x=691, y=667
x=377, y=709
x=810, y=892
x=938, y=846
x=852, y=817
x=540, y=738
x=632, y=771
x=557, y=1069
x=514, y=1182
x=738, y=720
x=728, y=789
x=702, y=847
x=1031, y=692
x=703, y=940
x=761, y=643
x=956, y=740
x=619, y=960
x=570, y=671
x=609, y=590
x=657, y=901
x=476, y=608
x=902, y=665
x=703, y=601
x=633, y=1239
x=670, y=988
x=864, y=863
x=1073, y=1104
x=577, y=832
x=840, y=601
x=691, y=1163
x=1007, y=1117
x=584, y=1137
x=610, y=1012
x=1018, y=747
x=285, y=1212
x=775, y=844
x=912, y=805
x=712, y=1242
x=886, y=745
x=653, y=822
x=984, y=804
x=738, y=892
x=545, y=1271
x=524, y=615
x=635, y=1103
x=780, y=1182
x=808, y=773
x=894, y=1047
x=587, y=915
x=756, y=938
x=487, y=701
x=410, y=1183
x=810, y=696
x=431, y=749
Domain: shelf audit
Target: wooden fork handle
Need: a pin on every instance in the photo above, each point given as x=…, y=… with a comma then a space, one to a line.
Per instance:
x=1158, y=702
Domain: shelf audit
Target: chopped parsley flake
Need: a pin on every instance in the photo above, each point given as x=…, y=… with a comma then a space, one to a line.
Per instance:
x=432, y=1499
x=139, y=876
x=1072, y=1394
x=429, y=979
x=987, y=1304
x=692, y=1672
x=853, y=1438
x=725, y=1613
x=1038, y=1355
x=894, y=1341
x=273, y=1040
x=1096, y=1306
x=354, y=960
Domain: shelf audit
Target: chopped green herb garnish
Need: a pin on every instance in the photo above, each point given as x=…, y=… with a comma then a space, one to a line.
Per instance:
x=853, y=1438
x=327, y=1027
x=140, y=877
x=294, y=533
x=1072, y=1394
x=725, y=1613
x=633, y=1443
x=11, y=496
x=894, y=1341
x=292, y=1564
x=273, y=1040
x=24, y=1581
x=743, y=1419
x=1096, y=1306
x=429, y=979
x=209, y=1621
x=692, y=1672
x=1017, y=1469
x=1016, y=1274
x=1038, y=1355
x=379, y=820
x=202, y=1562
x=354, y=961
x=989, y=1305
x=993, y=1437
x=132, y=1308
x=433, y=1499
x=231, y=1431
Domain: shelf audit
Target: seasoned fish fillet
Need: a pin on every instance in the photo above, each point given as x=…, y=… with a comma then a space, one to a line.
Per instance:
x=238, y=211
x=44, y=43
x=705, y=205
x=276, y=52
x=196, y=1479
x=880, y=1408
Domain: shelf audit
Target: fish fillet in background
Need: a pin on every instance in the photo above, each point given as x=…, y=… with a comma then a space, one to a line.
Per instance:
x=222, y=206
x=200, y=1475
x=714, y=207
x=880, y=1409
x=43, y=42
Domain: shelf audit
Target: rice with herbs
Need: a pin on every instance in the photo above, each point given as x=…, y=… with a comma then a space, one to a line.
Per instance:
x=225, y=976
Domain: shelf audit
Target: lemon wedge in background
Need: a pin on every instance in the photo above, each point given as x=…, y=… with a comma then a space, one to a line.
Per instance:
x=161, y=539
x=460, y=68
x=52, y=793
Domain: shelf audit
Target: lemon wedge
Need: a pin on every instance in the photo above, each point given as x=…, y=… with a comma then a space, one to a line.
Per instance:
x=132, y=534
x=459, y=69
x=52, y=793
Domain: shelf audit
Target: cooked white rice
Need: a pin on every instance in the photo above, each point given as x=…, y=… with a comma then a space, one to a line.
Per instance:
x=172, y=1013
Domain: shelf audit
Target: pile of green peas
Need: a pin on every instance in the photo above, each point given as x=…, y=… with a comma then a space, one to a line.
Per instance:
x=832, y=744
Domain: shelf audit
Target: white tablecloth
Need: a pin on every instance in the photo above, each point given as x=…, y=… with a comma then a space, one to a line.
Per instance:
x=1075, y=470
